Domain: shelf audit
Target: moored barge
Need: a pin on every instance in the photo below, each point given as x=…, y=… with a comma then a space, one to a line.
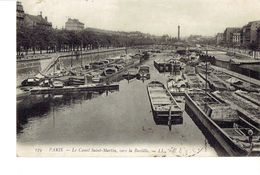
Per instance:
x=143, y=72
x=248, y=110
x=130, y=73
x=165, y=109
x=177, y=85
x=223, y=123
x=167, y=65
x=70, y=89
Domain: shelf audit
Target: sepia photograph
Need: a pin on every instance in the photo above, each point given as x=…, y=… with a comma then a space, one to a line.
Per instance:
x=137, y=78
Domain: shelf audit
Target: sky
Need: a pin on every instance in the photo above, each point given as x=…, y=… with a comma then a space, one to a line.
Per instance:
x=158, y=17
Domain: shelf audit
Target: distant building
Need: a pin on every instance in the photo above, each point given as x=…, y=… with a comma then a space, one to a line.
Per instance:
x=19, y=14
x=219, y=38
x=228, y=34
x=237, y=38
x=249, y=33
x=74, y=24
x=33, y=21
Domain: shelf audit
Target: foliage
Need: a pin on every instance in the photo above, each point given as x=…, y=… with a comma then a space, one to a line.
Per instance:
x=53, y=40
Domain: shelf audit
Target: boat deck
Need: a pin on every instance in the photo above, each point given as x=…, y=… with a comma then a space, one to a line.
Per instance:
x=232, y=136
x=249, y=109
x=161, y=98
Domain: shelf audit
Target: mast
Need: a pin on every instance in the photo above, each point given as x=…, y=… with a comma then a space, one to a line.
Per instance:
x=206, y=68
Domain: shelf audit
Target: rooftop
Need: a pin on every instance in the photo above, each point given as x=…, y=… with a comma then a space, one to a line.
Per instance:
x=74, y=21
x=38, y=19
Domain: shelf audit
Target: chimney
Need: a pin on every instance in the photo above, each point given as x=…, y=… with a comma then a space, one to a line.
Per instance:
x=46, y=19
x=178, y=32
x=40, y=13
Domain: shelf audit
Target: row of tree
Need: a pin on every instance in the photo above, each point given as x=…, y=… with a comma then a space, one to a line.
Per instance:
x=41, y=38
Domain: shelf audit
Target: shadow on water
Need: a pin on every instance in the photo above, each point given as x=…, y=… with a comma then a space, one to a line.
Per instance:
x=38, y=106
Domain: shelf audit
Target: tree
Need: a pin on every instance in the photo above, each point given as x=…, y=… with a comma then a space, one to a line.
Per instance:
x=42, y=38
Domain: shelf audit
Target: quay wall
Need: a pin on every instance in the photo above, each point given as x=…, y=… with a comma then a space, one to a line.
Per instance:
x=29, y=68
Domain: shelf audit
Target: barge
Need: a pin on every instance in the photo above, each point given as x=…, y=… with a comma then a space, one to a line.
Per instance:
x=143, y=72
x=253, y=97
x=214, y=82
x=167, y=65
x=194, y=81
x=70, y=89
x=248, y=110
x=177, y=85
x=165, y=109
x=130, y=73
x=235, y=135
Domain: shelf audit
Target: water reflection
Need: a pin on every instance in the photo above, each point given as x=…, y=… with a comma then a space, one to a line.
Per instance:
x=37, y=106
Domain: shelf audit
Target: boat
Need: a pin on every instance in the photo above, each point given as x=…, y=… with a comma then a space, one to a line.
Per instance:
x=111, y=65
x=245, y=86
x=33, y=81
x=105, y=62
x=164, y=107
x=130, y=73
x=143, y=72
x=57, y=84
x=193, y=79
x=76, y=80
x=109, y=71
x=222, y=123
x=176, y=85
x=97, y=65
x=119, y=67
x=214, y=82
x=247, y=107
x=93, y=87
x=167, y=65
x=96, y=79
x=204, y=67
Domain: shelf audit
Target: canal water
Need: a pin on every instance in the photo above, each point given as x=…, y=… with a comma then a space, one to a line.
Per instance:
x=120, y=118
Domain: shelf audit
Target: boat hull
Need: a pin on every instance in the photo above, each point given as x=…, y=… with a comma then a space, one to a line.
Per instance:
x=166, y=67
x=162, y=117
x=211, y=131
x=143, y=76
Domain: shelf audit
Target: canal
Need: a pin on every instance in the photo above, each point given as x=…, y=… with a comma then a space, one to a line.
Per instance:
x=120, y=118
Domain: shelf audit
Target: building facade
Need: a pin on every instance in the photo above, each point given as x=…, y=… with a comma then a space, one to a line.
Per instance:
x=19, y=14
x=33, y=21
x=74, y=25
x=237, y=38
x=219, y=38
x=249, y=33
x=228, y=34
